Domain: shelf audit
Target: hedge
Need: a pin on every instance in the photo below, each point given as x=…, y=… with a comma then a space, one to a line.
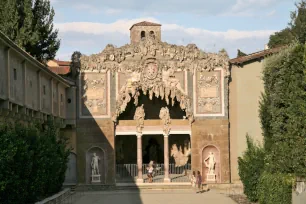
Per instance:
x=33, y=162
x=250, y=167
x=275, y=188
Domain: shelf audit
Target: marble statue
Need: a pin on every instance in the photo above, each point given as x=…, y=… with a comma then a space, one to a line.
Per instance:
x=181, y=158
x=95, y=164
x=139, y=117
x=165, y=117
x=211, y=163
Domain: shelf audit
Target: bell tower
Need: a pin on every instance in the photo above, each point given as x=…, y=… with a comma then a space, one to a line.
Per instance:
x=144, y=29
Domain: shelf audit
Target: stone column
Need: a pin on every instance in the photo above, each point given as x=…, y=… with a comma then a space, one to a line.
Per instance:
x=139, y=158
x=166, y=158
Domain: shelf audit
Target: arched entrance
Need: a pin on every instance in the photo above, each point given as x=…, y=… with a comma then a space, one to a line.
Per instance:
x=170, y=153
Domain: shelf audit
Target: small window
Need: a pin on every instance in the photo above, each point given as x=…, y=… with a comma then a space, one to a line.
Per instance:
x=61, y=97
x=152, y=35
x=69, y=100
x=44, y=90
x=143, y=35
x=15, y=74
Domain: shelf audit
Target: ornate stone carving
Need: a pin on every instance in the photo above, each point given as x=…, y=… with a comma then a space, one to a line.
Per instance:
x=208, y=86
x=188, y=57
x=139, y=117
x=181, y=157
x=94, y=94
x=152, y=64
x=165, y=117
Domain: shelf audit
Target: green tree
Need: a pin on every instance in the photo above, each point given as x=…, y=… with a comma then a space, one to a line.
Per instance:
x=251, y=166
x=240, y=54
x=45, y=43
x=9, y=18
x=296, y=30
x=29, y=23
x=284, y=106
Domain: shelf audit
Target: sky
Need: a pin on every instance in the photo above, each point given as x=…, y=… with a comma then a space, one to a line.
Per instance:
x=89, y=25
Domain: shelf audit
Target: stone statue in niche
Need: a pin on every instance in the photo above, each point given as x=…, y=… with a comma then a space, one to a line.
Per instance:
x=180, y=157
x=95, y=174
x=165, y=117
x=211, y=176
x=139, y=117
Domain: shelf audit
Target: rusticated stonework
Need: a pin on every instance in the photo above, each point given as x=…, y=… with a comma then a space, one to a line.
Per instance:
x=94, y=94
x=154, y=67
x=209, y=97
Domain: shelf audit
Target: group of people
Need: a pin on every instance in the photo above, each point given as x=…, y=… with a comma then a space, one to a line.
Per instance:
x=196, y=181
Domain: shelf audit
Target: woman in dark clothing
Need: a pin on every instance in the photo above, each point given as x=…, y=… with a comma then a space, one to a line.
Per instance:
x=199, y=182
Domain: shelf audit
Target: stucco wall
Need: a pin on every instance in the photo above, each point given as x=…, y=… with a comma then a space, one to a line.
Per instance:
x=135, y=33
x=245, y=92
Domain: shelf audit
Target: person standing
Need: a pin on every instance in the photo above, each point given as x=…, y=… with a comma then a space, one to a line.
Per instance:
x=199, y=182
x=193, y=179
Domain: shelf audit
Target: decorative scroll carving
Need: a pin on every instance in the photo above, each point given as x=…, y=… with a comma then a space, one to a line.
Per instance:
x=165, y=117
x=181, y=157
x=208, y=87
x=139, y=117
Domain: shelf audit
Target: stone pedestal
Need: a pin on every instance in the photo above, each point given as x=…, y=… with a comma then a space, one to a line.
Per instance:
x=139, y=158
x=96, y=178
x=166, y=158
x=211, y=177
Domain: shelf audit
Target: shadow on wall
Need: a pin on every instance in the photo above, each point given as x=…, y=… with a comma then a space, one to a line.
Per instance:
x=94, y=134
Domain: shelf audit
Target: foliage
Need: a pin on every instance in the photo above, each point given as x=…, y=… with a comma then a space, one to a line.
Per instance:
x=33, y=163
x=250, y=166
x=240, y=54
x=275, y=188
x=296, y=31
x=29, y=23
x=285, y=110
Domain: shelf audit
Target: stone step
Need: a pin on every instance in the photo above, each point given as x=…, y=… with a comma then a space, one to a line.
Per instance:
x=156, y=186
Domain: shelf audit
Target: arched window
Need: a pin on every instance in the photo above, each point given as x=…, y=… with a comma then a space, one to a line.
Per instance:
x=152, y=34
x=142, y=35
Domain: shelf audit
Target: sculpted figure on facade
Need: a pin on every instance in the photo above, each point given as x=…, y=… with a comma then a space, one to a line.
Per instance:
x=181, y=157
x=139, y=117
x=75, y=66
x=95, y=164
x=165, y=117
x=211, y=163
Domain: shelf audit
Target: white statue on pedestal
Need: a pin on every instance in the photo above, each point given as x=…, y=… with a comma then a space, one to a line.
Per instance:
x=95, y=164
x=211, y=163
x=210, y=176
x=95, y=174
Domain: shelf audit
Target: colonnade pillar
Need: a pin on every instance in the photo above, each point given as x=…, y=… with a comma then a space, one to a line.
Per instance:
x=139, y=158
x=166, y=158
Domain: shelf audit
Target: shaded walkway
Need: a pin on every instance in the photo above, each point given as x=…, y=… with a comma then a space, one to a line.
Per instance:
x=153, y=197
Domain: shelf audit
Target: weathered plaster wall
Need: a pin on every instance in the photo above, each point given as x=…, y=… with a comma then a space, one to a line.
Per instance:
x=245, y=90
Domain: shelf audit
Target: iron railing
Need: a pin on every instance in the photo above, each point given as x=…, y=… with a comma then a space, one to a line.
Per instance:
x=129, y=173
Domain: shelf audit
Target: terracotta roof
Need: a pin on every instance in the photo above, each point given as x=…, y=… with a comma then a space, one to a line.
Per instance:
x=256, y=55
x=60, y=70
x=62, y=63
x=145, y=23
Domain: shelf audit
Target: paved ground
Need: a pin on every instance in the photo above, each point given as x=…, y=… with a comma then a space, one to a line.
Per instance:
x=153, y=197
